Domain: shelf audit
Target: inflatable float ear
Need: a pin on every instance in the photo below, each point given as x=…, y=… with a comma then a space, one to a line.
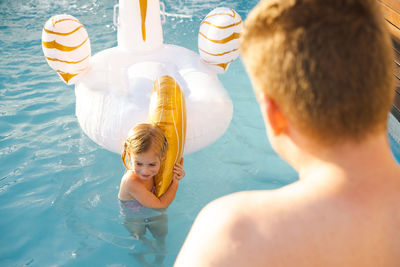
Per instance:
x=168, y=111
x=219, y=37
x=66, y=46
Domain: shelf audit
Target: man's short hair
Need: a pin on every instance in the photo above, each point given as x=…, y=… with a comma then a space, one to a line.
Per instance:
x=328, y=64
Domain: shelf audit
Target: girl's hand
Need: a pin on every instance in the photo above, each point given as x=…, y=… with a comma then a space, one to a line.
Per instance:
x=178, y=170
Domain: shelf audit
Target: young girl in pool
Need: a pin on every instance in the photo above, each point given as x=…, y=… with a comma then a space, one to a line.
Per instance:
x=144, y=151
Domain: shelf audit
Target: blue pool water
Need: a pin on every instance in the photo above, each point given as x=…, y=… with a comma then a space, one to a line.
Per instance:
x=58, y=189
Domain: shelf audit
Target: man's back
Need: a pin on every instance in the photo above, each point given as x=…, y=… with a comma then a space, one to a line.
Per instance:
x=326, y=219
x=292, y=227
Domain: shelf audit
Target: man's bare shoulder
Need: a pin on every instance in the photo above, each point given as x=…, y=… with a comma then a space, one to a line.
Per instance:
x=229, y=227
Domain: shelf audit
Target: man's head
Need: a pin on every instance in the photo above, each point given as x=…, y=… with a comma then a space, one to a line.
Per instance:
x=328, y=65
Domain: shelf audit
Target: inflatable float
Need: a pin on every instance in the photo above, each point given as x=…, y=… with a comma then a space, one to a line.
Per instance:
x=168, y=111
x=113, y=88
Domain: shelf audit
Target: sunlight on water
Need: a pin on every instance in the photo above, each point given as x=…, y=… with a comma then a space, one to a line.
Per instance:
x=58, y=189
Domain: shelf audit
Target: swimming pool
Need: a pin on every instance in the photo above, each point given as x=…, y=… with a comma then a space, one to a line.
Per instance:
x=58, y=189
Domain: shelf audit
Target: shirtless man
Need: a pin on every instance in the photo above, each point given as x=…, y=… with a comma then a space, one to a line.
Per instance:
x=322, y=73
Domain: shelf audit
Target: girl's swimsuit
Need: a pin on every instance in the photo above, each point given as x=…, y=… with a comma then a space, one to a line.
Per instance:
x=132, y=209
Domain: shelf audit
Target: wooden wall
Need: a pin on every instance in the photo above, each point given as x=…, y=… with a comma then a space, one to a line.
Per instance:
x=391, y=12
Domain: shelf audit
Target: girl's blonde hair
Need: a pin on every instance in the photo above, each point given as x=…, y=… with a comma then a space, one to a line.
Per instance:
x=141, y=138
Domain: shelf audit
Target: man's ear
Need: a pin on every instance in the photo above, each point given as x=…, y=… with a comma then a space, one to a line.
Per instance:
x=275, y=117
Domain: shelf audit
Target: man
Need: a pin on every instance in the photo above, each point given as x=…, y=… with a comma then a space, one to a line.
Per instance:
x=322, y=73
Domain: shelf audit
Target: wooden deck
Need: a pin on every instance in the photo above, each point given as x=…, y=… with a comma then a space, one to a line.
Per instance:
x=391, y=12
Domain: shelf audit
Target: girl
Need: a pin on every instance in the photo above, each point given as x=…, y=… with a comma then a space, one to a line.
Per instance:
x=144, y=151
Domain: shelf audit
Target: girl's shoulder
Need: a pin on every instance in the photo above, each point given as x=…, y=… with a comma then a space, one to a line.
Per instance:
x=130, y=178
x=129, y=175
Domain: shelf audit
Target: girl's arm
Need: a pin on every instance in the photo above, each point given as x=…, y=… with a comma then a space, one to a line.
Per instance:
x=148, y=199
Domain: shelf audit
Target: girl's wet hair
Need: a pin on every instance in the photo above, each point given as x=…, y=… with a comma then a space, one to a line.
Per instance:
x=141, y=139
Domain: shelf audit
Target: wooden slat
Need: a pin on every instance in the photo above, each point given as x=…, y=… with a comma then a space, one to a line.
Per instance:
x=391, y=15
x=397, y=84
x=397, y=67
x=396, y=49
x=397, y=74
x=397, y=64
x=393, y=4
x=391, y=12
x=395, y=32
x=397, y=100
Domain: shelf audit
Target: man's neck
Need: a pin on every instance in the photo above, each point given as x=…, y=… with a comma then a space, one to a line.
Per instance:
x=369, y=158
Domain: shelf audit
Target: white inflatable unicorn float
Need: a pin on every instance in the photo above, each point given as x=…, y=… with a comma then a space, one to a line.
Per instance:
x=113, y=88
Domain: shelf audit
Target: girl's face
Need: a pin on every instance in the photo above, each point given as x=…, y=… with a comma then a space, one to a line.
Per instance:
x=146, y=164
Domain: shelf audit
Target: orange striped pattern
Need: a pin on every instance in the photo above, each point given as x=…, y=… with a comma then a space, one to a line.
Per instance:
x=63, y=33
x=220, y=54
x=226, y=12
x=66, y=47
x=58, y=46
x=223, y=65
x=224, y=40
x=54, y=20
x=66, y=76
x=68, y=62
x=143, y=13
x=221, y=27
x=219, y=37
x=168, y=111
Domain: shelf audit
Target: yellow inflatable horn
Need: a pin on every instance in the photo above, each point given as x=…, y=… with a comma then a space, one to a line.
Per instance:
x=168, y=111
